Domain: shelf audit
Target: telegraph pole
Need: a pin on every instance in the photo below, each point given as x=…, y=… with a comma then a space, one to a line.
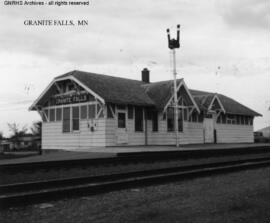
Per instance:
x=173, y=44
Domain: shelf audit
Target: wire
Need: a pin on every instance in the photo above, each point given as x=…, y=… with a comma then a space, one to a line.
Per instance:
x=14, y=109
x=17, y=102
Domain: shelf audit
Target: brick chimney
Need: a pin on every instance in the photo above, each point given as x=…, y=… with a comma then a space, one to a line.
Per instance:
x=145, y=75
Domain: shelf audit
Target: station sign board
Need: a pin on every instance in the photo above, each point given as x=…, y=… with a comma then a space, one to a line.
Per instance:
x=72, y=99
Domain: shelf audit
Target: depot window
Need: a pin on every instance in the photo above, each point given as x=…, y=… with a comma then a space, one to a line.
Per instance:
x=66, y=119
x=121, y=120
x=155, y=121
x=138, y=119
x=194, y=116
x=75, y=119
x=92, y=111
x=180, y=120
x=84, y=112
x=200, y=117
x=52, y=115
x=58, y=114
x=130, y=112
x=170, y=119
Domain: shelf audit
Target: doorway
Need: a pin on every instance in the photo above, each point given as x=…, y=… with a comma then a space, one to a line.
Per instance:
x=122, y=135
x=208, y=127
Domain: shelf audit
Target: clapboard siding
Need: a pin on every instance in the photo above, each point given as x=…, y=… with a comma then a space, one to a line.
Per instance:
x=105, y=134
x=134, y=138
x=110, y=132
x=193, y=133
x=234, y=133
x=54, y=138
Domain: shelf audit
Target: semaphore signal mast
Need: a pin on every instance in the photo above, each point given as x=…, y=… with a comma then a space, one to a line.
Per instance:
x=174, y=44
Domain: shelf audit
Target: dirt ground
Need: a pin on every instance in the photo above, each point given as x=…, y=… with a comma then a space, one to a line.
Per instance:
x=236, y=197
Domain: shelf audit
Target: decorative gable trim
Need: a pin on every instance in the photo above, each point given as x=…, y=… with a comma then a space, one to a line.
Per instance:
x=182, y=83
x=218, y=100
x=54, y=82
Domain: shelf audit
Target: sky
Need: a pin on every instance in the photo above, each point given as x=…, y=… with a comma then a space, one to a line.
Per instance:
x=225, y=48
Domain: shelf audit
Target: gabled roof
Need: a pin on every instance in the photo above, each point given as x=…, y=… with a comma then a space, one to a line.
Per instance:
x=113, y=89
x=160, y=92
x=118, y=90
x=231, y=106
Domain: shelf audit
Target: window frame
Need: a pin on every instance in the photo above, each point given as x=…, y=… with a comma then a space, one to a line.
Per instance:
x=155, y=121
x=136, y=110
x=130, y=112
x=95, y=111
x=56, y=114
x=181, y=119
x=169, y=113
x=52, y=113
x=125, y=120
x=64, y=120
x=75, y=119
x=86, y=112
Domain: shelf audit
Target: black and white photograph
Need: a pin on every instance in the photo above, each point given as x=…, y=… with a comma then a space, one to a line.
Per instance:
x=134, y=111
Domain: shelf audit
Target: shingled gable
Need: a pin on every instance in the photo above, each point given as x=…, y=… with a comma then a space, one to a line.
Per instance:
x=162, y=92
x=230, y=106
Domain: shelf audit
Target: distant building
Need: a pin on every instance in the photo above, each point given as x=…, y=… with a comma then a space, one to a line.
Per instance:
x=265, y=131
x=5, y=145
x=82, y=110
x=23, y=142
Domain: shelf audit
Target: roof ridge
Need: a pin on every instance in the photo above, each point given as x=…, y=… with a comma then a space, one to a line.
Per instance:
x=91, y=73
x=179, y=79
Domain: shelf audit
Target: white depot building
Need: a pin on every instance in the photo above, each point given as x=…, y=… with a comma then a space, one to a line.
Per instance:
x=84, y=110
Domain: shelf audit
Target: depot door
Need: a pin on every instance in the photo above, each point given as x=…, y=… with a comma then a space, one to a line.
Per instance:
x=208, y=125
x=122, y=135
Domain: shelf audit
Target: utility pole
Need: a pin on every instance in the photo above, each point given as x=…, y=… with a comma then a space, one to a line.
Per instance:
x=174, y=44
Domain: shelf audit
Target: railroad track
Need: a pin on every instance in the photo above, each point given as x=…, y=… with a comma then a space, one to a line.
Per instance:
x=41, y=191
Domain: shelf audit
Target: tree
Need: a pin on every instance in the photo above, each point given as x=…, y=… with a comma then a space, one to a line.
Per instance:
x=1, y=136
x=36, y=128
x=16, y=130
